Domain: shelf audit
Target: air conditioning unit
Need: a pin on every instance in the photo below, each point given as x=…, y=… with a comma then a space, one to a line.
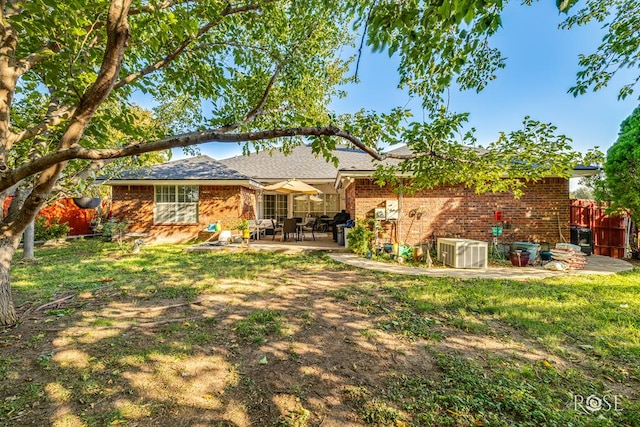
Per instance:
x=463, y=253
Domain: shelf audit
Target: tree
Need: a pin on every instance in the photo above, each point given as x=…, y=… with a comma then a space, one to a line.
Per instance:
x=584, y=193
x=254, y=73
x=621, y=183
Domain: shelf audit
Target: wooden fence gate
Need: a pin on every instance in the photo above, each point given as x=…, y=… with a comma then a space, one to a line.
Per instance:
x=609, y=232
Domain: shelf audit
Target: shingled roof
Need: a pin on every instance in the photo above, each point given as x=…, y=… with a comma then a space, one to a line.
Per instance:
x=202, y=168
x=300, y=164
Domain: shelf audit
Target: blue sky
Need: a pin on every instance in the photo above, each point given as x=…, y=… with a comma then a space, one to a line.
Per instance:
x=542, y=62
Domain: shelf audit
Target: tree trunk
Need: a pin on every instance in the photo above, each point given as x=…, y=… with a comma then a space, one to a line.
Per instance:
x=7, y=311
x=28, y=238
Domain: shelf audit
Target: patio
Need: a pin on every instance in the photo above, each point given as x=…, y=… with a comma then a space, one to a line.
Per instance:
x=596, y=264
x=323, y=242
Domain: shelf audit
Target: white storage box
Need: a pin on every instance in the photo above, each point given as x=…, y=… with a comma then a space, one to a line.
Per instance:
x=463, y=253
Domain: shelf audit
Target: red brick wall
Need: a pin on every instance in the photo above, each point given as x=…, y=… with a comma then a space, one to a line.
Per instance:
x=216, y=203
x=459, y=212
x=350, y=200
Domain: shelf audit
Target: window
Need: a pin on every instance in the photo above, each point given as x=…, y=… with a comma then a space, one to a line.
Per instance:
x=275, y=206
x=176, y=204
x=331, y=204
x=322, y=204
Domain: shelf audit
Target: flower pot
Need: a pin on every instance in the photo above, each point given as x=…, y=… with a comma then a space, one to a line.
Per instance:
x=519, y=258
x=246, y=234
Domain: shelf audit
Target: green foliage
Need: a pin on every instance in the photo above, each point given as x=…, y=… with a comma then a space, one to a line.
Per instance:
x=620, y=46
x=259, y=324
x=361, y=236
x=114, y=230
x=621, y=184
x=582, y=193
x=50, y=229
x=507, y=164
x=284, y=62
x=372, y=410
x=242, y=225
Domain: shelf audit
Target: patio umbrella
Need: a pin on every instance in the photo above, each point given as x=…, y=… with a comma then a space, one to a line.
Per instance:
x=292, y=186
x=313, y=198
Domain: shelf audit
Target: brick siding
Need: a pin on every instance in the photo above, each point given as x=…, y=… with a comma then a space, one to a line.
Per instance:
x=216, y=203
x=539, y=216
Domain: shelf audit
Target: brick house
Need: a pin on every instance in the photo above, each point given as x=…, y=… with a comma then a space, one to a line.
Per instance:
x=176, y=200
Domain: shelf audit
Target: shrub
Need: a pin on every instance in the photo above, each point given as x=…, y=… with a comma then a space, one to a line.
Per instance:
x=113, y=229
x=360, y=237
x=50, y=229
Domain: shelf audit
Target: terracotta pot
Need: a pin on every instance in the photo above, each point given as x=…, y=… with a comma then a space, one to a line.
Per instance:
x=519, y=258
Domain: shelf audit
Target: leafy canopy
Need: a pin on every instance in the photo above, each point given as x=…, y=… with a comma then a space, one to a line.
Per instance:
x=234, y=69
x=262, y=74
x=621, y=184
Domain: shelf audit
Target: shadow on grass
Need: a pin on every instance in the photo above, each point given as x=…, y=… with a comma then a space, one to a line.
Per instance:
x=262, y=339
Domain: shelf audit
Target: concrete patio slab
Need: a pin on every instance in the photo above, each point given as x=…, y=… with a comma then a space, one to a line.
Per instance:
x=322, y=243
x=596, y=264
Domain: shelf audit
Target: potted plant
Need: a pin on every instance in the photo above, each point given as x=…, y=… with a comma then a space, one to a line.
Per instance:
x=243, y=226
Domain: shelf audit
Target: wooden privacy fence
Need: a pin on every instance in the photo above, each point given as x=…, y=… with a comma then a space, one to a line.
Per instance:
x=610, y=234
x=65, y=210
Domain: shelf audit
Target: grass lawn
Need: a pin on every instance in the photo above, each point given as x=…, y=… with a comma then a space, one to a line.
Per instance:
x=165, y=337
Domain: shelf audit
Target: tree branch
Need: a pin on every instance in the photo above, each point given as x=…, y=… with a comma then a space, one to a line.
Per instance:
x=184, y=140
x=31, y=60
x=364, y=35
x=166, y=60
x=149, y=8
x=53, y=118
x=185, y=43
x=258, y=109
x=117, y=39
x=96, y=24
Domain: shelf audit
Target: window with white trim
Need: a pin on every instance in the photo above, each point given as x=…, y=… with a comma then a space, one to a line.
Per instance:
x=274, y=206
x=176, y=204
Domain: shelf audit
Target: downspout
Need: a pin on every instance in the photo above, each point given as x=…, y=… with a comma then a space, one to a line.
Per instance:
x=399, y=223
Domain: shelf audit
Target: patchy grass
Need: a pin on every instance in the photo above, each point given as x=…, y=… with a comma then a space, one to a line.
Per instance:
x=259, y=324
x=165, y=337
x=595, y=316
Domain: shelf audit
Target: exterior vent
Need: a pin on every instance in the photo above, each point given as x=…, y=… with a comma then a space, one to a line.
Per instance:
x=463, y=253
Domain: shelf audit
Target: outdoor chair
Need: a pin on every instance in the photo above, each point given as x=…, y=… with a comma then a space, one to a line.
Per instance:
x=277, y=228
x=290, y=226
x=323, y=223
x=310, y=225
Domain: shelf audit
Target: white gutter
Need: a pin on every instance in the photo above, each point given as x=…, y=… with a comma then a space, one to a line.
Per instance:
x=213, y=182
x=344, y=174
